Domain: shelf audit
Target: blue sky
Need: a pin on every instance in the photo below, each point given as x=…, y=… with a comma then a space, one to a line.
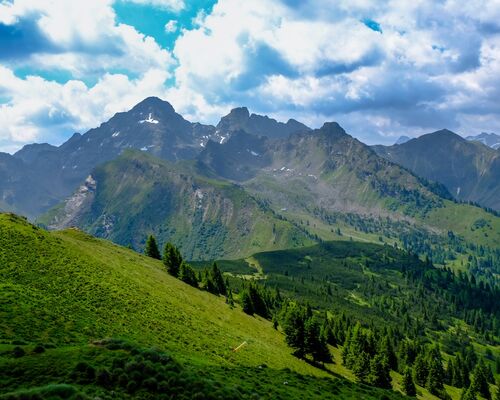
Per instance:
x=380, y=68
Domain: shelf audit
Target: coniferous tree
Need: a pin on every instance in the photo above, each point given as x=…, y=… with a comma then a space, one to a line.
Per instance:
x=218, y=280
x=229, y=297
x=172, y=259
x=246, y=302
x=294, y=330
x=421, y=370
x=187, y=274
x=151, y=248
x=479, y=381
x=468, y=394
x=314, y=343
x=434, y=382
x=387, y=351
x=380, y=372
x=408, y=385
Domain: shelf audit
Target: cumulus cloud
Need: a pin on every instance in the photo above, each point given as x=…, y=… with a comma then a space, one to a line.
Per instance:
x=393, y=66
x=40, y=110
x=80, y=37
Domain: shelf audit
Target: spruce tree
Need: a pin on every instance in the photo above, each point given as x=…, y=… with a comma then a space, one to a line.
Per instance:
x=408, y=385
x=314, y=343
x=172, y=259
x=380, y=372
x=294, y=330
x=151, y=248
x=218, y=280
x=479, y=381
x=246, y=302
x=187, y=274
x=420, y=369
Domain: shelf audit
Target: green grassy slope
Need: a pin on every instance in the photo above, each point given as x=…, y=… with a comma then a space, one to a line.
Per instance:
x=375, y=284
x=68, y=290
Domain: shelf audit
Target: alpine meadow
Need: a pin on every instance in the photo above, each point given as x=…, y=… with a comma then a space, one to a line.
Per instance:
x=266, y=199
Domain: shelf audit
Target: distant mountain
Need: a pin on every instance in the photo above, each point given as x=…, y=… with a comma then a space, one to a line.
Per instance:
x=43, y=175
x=470, y=170
x=240, y=119
x=252, y=192
x=136, y=194
x=402, y=139
x=324, y=168
x=489, y=139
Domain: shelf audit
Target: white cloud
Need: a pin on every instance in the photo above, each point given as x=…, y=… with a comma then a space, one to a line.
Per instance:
x=85, y=38
x=171, y=26
x=40, y=110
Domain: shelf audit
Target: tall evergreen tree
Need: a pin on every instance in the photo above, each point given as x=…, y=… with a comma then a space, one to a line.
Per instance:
x=479, y=381
x=151, y=248
x=408, y=385
x=187, y=274
x=420, y=369
x=314, y=342
x=218, y=280
x=246, y=302
x=294, y=330
x=380, y=372
x=172, y=259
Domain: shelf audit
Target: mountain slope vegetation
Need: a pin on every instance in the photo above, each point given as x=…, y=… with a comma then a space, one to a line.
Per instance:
x=80, y=317
x=137, y=194
x=469, y=169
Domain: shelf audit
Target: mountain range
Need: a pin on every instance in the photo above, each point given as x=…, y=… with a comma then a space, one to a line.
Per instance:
x=250, y=183
x=489, y=139
x=468, y=169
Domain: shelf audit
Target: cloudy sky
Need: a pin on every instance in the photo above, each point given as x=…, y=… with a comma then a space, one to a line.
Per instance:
x=380, y=68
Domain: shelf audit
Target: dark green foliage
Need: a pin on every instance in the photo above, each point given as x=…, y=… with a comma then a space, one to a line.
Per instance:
x=187, y=274
x=294, y=329
x=408, y=385
x=479, y=381
x=18, y=352
x=246, y=302
x=380, y=372
x=172, y=259
x=421, y=370
x=436, y=375
x=315, y=342
x=218, y=280
x=468, y=394
x=151, y=248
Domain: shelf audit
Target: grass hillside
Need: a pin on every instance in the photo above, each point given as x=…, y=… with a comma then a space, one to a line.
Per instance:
x=385, y=288
x=138, y=194
x=63, y=293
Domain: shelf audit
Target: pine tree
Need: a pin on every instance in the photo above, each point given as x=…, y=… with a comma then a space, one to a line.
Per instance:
x=361, y=366
x=387, y=351
x=434, y=382
x=479, y=381
x=172, y=259
x=408, y=384
x=314, y=343
x=229, y=297
x=380, y=372
x=294, y=330
x=218, y=280
x=468, y=394
x=187, y=274
x=420, y=369
x=246, y=302
x=151, y=248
